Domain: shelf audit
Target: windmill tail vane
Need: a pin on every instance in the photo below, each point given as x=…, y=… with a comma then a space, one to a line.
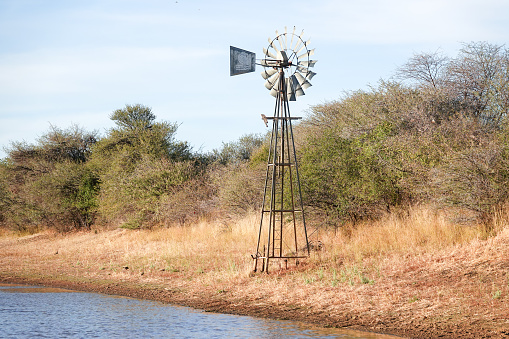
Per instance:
x=282, y=232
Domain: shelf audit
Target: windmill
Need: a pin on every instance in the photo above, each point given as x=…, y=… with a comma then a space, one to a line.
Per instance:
x=282, y=232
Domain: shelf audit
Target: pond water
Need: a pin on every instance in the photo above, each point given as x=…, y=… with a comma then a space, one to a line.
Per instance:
x=40, y=312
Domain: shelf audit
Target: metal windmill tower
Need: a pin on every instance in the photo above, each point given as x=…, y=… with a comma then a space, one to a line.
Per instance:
x=282, y=233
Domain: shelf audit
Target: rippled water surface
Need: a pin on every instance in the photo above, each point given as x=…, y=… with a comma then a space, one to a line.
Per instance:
x=38, y=312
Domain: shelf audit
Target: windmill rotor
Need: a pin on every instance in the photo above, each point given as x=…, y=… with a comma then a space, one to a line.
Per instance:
x=289, y=54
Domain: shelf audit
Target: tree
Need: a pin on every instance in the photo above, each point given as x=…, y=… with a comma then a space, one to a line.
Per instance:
x=140, y=163
x=479, y=78
x=49, y=182
x=237, y=151
x=425, y=68
x=133, y=117
x=73, y=144
x=137, y=133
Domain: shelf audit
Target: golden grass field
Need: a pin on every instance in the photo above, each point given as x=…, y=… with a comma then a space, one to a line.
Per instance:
x=415, y=274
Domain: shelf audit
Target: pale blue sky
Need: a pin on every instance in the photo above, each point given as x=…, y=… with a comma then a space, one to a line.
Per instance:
x=76, y=61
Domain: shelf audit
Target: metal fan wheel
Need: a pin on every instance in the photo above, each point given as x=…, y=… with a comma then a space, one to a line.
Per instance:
x=290, y=53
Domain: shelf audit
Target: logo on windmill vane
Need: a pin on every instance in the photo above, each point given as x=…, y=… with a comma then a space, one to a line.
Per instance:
x=287, y=73
x=241, y=61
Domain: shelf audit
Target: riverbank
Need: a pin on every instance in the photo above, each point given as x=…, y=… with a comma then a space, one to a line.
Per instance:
x=455, y=289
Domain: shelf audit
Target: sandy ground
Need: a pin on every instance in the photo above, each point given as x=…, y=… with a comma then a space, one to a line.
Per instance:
x=459, y=293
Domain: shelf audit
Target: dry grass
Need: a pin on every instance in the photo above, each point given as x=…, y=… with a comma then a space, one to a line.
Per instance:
x=221, y=251
x=212, y=250
x=418, y=267
x=421, y=230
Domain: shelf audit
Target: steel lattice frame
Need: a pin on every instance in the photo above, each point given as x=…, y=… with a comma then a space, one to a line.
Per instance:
x=282, y=232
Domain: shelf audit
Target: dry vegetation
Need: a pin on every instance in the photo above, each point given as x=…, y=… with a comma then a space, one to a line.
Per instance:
x=418, y=274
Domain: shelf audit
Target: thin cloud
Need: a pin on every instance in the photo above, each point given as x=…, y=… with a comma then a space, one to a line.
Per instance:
x=404, y=22
x=73, y=70
x=83, y=59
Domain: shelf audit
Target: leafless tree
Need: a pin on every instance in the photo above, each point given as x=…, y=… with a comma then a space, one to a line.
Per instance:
x=479, y=78
x=425, y=68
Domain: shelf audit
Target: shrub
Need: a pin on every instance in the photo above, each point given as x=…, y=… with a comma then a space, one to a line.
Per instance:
x=238, y=151
x=348, y=178
x=67, y=195
x=141, y=194
x=476, y=178
x=140, y=163
x=239, y=187
x=48, y=183
x=442, y=141
x=188, y=203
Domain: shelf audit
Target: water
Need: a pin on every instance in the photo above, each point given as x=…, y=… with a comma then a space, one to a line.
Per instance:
x=38, y=312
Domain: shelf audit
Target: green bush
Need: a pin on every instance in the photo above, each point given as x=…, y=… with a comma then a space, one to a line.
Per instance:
x=6, y=197
x=348, y=178
x=142, y=194
x=67, y=195
x=239, y=187
x=441, y=140
x=48, y=183
x=140, y=163
x=237, y=151
x=476, y=177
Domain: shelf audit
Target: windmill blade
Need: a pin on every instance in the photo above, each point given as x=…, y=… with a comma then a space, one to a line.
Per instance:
x=297, y=88
x=286, y=38
x=272, y=81
x=279, y=38
x=305, y=69
x=297, y=44
x=290, y=93
x=302, y=69
x=302, y=81
x=309, y=74
x=267, y=73
x=293, y=34
x=302, y=47
x=271, y=44
x=310, y=63
x=269, y=53
x=308, y=53
x=288, y=85
x=273, y=92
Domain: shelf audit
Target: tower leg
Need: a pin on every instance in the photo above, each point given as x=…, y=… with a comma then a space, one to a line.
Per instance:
x=282, y=197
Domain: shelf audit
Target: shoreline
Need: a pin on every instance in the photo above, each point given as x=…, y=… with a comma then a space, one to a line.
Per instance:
x=204, y=302
x=461, y=292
